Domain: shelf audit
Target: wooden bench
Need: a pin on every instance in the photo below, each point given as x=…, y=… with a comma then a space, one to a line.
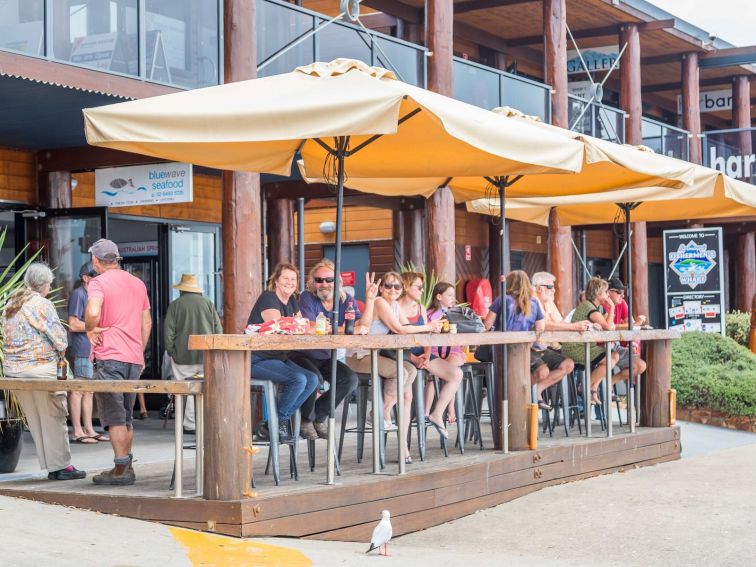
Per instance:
x=178, y=388
x=227, y=378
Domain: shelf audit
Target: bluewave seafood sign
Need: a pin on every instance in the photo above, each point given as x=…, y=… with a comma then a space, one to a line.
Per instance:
x=155, y=184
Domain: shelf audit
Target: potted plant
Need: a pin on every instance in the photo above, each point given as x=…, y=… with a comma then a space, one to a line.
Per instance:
x=11, y=418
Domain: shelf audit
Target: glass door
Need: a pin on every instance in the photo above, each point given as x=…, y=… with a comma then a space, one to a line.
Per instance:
x=63, y=237
x=146, y=269
x=193, y=248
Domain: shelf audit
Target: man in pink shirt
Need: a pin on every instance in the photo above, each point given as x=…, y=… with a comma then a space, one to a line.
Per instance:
x=118, y=324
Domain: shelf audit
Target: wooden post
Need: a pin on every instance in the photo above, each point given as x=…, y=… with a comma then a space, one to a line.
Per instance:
x=281, y=225
x=241, y=209
x=690, y=104
x=518, y=393
x=409, y=236
x=630, y=83
x=439, y=208
x=561, y=262
x=56, y=190
x=228, y=433
x=657, y=383
x=741, y=112
x=640, y=270
x=746, y=271
x=555, y=58
x=752, y=334
x=631, y=102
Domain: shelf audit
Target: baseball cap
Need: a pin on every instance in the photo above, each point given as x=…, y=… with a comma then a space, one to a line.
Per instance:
x=87, y=270
x=105, y=249
x=616, y=284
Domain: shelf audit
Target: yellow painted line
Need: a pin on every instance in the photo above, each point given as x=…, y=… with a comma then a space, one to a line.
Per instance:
x=210, y=550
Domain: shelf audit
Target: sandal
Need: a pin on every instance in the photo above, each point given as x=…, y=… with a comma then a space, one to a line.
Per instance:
x=85, y=440
x=101, y=437
x=440, y=428
x=544, y=406
x=594, y=398
x=451, y=418
x=407, y=460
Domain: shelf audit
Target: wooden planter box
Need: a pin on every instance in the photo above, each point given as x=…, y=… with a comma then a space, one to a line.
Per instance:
x=710, y=417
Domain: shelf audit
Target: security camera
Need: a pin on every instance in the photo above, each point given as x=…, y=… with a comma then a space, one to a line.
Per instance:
x=712, y=37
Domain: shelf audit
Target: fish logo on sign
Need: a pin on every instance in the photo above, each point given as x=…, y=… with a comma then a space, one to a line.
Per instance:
x=123, y=186
x=692, y=262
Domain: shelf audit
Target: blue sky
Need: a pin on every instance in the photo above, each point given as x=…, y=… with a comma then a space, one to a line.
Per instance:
x=731, y=20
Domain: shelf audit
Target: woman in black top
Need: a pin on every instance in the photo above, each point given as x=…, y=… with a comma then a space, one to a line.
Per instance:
x=296, y=383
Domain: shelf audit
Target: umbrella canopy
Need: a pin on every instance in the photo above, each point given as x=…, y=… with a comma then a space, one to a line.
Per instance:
x=711, y=195
x=259, y=125
x=606, y=166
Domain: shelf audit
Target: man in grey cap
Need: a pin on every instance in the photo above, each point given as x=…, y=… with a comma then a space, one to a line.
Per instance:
x=80, y=403
x=118, y=324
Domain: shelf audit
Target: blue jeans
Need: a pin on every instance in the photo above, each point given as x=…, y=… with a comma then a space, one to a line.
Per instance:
x=297, y=384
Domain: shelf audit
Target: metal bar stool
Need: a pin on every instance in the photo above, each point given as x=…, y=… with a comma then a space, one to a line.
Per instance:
x=363, y=394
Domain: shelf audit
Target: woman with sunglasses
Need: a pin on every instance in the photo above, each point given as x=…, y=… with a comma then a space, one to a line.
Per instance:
x=296, y=383
x=388, y=318
x=412, y=307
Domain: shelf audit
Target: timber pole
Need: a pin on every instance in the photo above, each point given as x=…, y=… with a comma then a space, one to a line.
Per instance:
x=746, y=271
x=690, y=104
x=561, y=261
x=281, y=224
x=439, y=207
x=741, y=113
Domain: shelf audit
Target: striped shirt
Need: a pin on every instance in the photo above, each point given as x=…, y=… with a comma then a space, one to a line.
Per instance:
x=33, y=336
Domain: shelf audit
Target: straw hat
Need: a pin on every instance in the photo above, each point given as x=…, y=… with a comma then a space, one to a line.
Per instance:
x=188, y=283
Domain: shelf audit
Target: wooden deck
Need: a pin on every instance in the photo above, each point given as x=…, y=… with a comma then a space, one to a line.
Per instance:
x=433, y=492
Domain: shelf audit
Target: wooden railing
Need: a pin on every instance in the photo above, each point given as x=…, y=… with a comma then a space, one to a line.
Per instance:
x=228, y=434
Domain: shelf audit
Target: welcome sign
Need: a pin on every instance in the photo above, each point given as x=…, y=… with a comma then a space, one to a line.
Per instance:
x=155, y=184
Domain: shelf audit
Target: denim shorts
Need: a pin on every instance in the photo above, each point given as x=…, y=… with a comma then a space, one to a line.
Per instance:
x=116, y=408
x=82, y=367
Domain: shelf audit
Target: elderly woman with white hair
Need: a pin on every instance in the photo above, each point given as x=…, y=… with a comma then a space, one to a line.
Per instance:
x=33, y=341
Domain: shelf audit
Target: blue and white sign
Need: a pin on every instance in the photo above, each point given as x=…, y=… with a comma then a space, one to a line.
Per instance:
x=155, y=184
x=596, y=59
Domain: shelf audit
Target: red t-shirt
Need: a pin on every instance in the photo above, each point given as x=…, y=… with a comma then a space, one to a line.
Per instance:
x=620, y=313
x=124, y=298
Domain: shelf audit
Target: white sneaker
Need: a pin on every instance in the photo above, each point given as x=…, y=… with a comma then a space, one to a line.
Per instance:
x=389, y=425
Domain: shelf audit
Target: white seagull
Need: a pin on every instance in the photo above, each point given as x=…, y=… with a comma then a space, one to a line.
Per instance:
x=381, y=534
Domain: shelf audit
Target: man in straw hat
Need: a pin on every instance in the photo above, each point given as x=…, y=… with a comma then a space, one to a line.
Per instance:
x=190, y=314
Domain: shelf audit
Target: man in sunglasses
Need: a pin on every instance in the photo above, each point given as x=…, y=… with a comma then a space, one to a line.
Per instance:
x=547, y=364
x=318, y=298
x=621, y=318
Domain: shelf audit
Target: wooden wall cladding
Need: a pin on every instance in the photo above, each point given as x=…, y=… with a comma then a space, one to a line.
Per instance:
x=18, y=182
x=600, y=244
x=381, y=256
x=206, y=206
x=471, y=228
x=360, y=224
x=526, y=237
x=655, y=250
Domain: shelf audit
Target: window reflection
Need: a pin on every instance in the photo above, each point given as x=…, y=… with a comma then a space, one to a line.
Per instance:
x=22, y=26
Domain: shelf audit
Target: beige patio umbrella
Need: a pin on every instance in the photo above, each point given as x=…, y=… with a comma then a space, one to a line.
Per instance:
x=342, y=117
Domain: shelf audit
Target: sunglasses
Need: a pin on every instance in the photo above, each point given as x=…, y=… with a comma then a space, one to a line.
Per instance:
x=323, y=280
x=618, y=291
x=548, y=286
x=396, y=286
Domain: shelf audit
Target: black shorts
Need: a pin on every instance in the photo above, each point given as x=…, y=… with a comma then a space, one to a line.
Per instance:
x=549, y=357
x=116, y=408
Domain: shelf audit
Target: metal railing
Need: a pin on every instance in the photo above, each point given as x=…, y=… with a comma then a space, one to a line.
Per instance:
x=287, y=38
x=127, y=39
x=665, y=139
x=600, y=121
x=488, y=88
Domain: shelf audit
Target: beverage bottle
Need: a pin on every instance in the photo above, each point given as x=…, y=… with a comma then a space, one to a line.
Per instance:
x=445, y=323
x=61, y=372
x=349, y=315
x=320, y=324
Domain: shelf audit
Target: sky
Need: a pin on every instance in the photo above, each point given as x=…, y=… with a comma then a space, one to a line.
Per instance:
x=731, y=20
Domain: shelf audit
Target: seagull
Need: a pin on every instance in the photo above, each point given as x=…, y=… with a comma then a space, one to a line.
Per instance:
x=381, y=534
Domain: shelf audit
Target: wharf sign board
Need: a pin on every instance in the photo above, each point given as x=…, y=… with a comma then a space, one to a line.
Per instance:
x=694, y=280
x=711, y=101
x=155, y=184
x=596, y=59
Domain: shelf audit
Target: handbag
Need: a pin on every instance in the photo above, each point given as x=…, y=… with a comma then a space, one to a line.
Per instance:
x=466, y=320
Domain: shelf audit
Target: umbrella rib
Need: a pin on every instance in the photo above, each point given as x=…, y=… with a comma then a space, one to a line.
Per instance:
x=372, y=139
x=325, y=146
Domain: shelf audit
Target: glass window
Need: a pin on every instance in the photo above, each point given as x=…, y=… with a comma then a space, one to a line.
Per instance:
x=477, y=86
x=194, y=253
x=575, y=108
x=277, y=27
x=525, y=97
x=342, y=41
x=182, y=42
x=405, y=61
x=101, y=34
x=609, y=124
x=22, y=26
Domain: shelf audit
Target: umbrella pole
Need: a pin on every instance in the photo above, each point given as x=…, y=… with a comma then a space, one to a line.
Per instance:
x=503, y=395
x=300, y=242
x=341, y=144
x=630, y=385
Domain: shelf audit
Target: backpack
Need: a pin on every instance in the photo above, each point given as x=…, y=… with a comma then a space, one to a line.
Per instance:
x=466, y=320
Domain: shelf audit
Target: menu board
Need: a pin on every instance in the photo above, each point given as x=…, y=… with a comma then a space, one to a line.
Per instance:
x=694, y=280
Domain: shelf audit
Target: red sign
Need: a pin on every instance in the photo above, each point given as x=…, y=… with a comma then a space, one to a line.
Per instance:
x=348, y=278
x=468, y=252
